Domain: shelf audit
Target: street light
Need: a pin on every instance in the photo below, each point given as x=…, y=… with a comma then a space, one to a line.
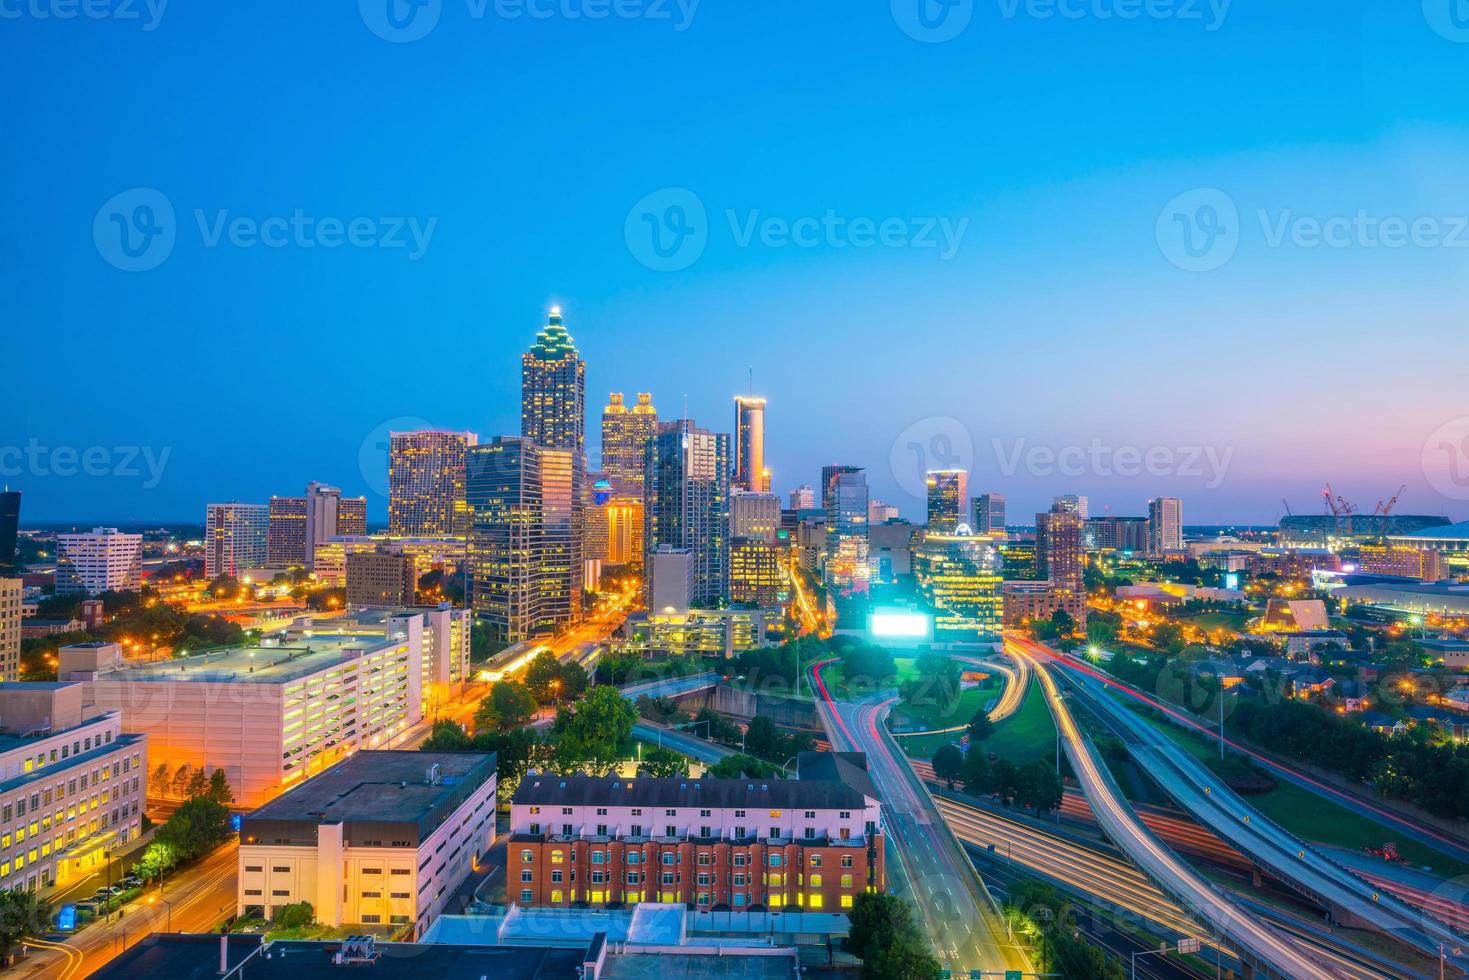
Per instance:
x=1183, y=946
x=167, y=904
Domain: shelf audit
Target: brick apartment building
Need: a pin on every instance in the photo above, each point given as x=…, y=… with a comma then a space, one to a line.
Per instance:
x=812, y=843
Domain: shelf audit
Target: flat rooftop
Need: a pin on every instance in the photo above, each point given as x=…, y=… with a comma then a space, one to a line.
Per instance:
x=278, y=664
x=169, y=956
x=697, y=966
x=380, y=787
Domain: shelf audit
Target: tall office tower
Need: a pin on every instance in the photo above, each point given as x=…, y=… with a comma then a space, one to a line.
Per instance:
x=100, y=560
x=235, y=538
x=948, y=491
x=803, y=498
x=426, y=484
x=625, y=531
x=989, y=514
x=1116, y=534
x=297, y=525
x=1073, y=503
x=670, y=580
x=844, y=492
x=754, y=572
x=9, y=528
x=524, y=549
x=286, y=534
x=553, y=390
x=351, y=518
x=11, y=591
x=596, y=521
x=880, y=513
x=625, y=435
x=686, y=504
x=1165, y=525
x=750, y=443
x=754, y=515
x=960, y=576
x=1058, y=548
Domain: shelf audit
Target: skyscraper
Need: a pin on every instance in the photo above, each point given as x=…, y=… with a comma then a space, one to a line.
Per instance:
x=235, y=538
x=426, y=484
x=989, y=514
x=1058, y=547
x=524, y=548
x=11, y=591
x=1073, y=503
x=9, y=527
x=803, y=498
x=686, y=505
x=625, y=435
x=754, y=515
x=1165, y=525
x=844, y=494
x=553, y=390
x=960, y=576
x=101, y=560
x=298, y=524
x=750, y=443
x=948, y=490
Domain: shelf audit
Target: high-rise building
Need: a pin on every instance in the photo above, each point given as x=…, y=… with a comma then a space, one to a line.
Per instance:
x=754, y=515
x=880, y=513
x=9, y=529
x=1058, y=548
x=803, y=498
x=625, y=435
x=844, y=494
x=298, y=524
x=670, y=580
x=754, y=572
x=1117, y=534
x=553, y=390
x=989, y=514
x=1165, y=525
x=596, y=520
x=426, y=484
x=687, y=503
x=1073, y=503
x=385, y=577
x=960, y=576
x=11, y=591
x=235, y=538
x=625, y=531
x=101, y=560
x=750, y=471
x=948, y=491
x=524, y=555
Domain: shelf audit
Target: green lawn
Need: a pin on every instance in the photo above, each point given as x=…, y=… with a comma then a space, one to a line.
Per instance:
x=1027, y=735
x=1315, y=818
x=1210, y=621
x=931, y=716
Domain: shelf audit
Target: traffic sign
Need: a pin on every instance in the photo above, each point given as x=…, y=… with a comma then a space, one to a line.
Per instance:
x=1189, y=945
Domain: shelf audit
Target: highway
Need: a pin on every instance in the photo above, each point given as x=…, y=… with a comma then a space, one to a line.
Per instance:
x=927, y=863
x=1287, y=857
x=1265, y=946
x=670, y=687
x=194, y=900
x=681, y=742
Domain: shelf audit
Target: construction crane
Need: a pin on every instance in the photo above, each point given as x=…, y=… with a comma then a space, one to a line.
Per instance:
x=1287, y=507
x=1384, y=509
x=1340, y=509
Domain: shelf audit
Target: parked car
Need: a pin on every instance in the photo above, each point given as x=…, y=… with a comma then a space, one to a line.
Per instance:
x=102, y=894
x=132, y=881
x=88, y=906
x=117, y=890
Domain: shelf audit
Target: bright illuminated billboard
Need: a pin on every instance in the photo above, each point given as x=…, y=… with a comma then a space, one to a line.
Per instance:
x=900, y=625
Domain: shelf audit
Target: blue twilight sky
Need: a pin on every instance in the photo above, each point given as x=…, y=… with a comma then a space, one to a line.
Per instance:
x=1133, y=297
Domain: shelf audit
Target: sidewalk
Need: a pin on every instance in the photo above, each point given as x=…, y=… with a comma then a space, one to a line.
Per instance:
x=115, y=869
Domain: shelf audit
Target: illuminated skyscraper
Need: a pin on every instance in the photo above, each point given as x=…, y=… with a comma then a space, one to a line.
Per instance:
x=844, y=494
x=426, y=484
x=754, y=515
x=754, y=572
x=234, y=538
x=1058, y=548
x=298, y=524
x=803, y=498
x=989, y=514
x=750, y=473
x=948, y=490
x=1073, y=503
x=686, y=505
x=960, y=576
x=524, y=549
x=553, y=390
x=625, y=435
x=1165, y=525
x=9, y=527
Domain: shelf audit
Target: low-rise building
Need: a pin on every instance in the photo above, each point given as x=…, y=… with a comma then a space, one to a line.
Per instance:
x=1026, y=602
x=380, y=839
x=812, y=843
x=384, y=577
x=717, y=633
x=72, y=785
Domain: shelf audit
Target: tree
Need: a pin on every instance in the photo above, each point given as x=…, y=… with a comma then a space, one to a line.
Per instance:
x=884, y=935
x=509, y=705
x=198, y=784
x=976, y=776
x=588, y=735
x=447, y=736
x=180, y=783
x=1064, y=622
x=157, y=860
x=948, y=764
x=296, y=915
x=219, y=788
x=550, y=680
x=663, y=764
x=1002, y=780
x=980, y=727
x=160, y=783
x=195, y=827
x=867, y=663
x=1037, y=786
x=736, y=766
x=21, y=914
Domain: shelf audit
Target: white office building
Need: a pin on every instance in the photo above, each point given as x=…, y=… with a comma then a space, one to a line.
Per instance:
x=235, y=538
x=100, y=560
